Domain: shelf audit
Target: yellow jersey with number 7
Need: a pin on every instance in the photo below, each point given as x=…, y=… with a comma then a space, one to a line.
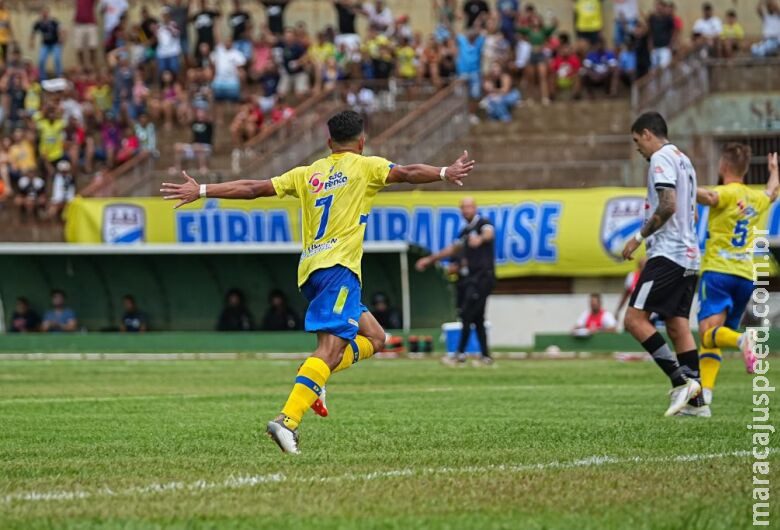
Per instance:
x=336, y=194
x=730, y=228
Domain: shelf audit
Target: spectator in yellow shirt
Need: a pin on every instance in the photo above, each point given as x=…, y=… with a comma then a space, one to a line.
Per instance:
x=406, y=60
x=21, y=155
x=732, y=35
x=6, y=32
x=588, y=20
x=51, y=138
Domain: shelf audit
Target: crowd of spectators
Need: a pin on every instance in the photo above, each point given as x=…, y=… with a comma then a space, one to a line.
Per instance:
x=176, y=63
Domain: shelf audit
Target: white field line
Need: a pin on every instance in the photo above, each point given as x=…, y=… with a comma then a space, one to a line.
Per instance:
x=253, y=394
x=249, y=481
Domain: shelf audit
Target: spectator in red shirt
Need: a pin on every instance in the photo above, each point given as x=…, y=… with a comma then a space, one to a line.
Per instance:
x=85, y=32
x=565, y=70
x=595, y=320
x=247, y=122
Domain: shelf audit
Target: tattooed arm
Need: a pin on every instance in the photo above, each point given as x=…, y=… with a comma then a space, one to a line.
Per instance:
x=667, y=205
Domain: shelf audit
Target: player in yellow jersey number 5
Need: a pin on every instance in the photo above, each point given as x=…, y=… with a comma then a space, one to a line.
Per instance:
x=336, y=194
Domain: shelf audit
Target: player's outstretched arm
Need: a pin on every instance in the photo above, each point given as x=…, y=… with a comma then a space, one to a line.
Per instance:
x=707, y=197
x=773, y=184
x=190, y=191
x=424, y=174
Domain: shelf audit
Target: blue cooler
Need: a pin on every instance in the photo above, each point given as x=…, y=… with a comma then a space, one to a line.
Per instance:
x=451, y=333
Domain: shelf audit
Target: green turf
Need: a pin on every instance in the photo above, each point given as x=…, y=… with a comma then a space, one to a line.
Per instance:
x=409, y=444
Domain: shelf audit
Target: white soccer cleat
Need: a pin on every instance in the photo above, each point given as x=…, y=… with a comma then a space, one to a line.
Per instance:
x=285, y=438
x=680, y=395
x=699, y=412
x=707, y=395
x=746, y=344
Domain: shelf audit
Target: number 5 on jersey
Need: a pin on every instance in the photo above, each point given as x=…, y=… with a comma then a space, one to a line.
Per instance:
x=325, y=203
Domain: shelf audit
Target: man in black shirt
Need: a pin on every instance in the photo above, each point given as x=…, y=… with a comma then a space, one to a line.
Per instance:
x=240, y=22
x=474, y=9
x=274, y=10
x=202, y=128
x=204, y=22
x=279, y=316
x=347, y=11
x=49, y=29
x=475, y=244
x=661, y=33
x=133, y=320
x=24, y=319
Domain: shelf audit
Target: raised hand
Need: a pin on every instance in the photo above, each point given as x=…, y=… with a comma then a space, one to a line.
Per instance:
x=185, y=193
x=459, y=169
x=772, y=162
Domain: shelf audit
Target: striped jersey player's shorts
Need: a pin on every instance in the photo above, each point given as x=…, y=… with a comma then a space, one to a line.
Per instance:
x=666, y=288
x=334, y=302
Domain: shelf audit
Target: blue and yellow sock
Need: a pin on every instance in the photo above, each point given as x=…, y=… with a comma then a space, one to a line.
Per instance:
x=311, y=377
x=720, y=337
x=357, y=350
x=709, y=365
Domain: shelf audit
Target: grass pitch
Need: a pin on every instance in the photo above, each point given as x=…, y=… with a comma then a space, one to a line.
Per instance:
x=409, y=444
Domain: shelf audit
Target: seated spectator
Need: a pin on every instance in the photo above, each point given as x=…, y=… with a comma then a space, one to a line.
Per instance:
x=537, y=35
x=235, y=315
x=146, y=133
x=595, y=320
x=769, y=11
x=59, y=317
x=732, y=35
x=279, y=316
x=128, y=145
x=331, y=74
x=565, y=70
x=500, y=96
x=247, y=122
x=388, y=316
x=133, y=320
x=24, y=319
x=262, y=56
x=31, y=199
x=63, y=189
x=406, y=60
x=21, y=155
x=228, y=62
x=709, y=27
x=281, y=111
x=600, y=69
x=140, y=96
x=171, y=105
x=201, y=147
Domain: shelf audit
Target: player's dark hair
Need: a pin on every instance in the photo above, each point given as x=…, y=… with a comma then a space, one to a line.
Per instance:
x=653, y=122
x=345, y=126
x=57, y=291
x=23, y=300
x=737, y=157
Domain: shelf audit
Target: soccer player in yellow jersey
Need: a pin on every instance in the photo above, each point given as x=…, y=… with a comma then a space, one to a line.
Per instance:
x=336, y=194
x=727, y=268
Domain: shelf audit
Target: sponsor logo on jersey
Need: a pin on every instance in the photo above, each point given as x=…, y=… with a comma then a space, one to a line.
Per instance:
x=318, y=183
x=124, y=224
x=623, y=217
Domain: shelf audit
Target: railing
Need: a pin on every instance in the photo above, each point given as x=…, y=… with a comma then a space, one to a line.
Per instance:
x=688, y=80
x=422, y=133
x=121, y=180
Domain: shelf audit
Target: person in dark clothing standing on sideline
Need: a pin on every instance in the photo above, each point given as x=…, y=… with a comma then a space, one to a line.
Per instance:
x=279, y=316
x=476, y=243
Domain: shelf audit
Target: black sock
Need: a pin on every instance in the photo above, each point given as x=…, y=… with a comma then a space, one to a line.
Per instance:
x=689, y=361
x=482, y=336
x=656, y=346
